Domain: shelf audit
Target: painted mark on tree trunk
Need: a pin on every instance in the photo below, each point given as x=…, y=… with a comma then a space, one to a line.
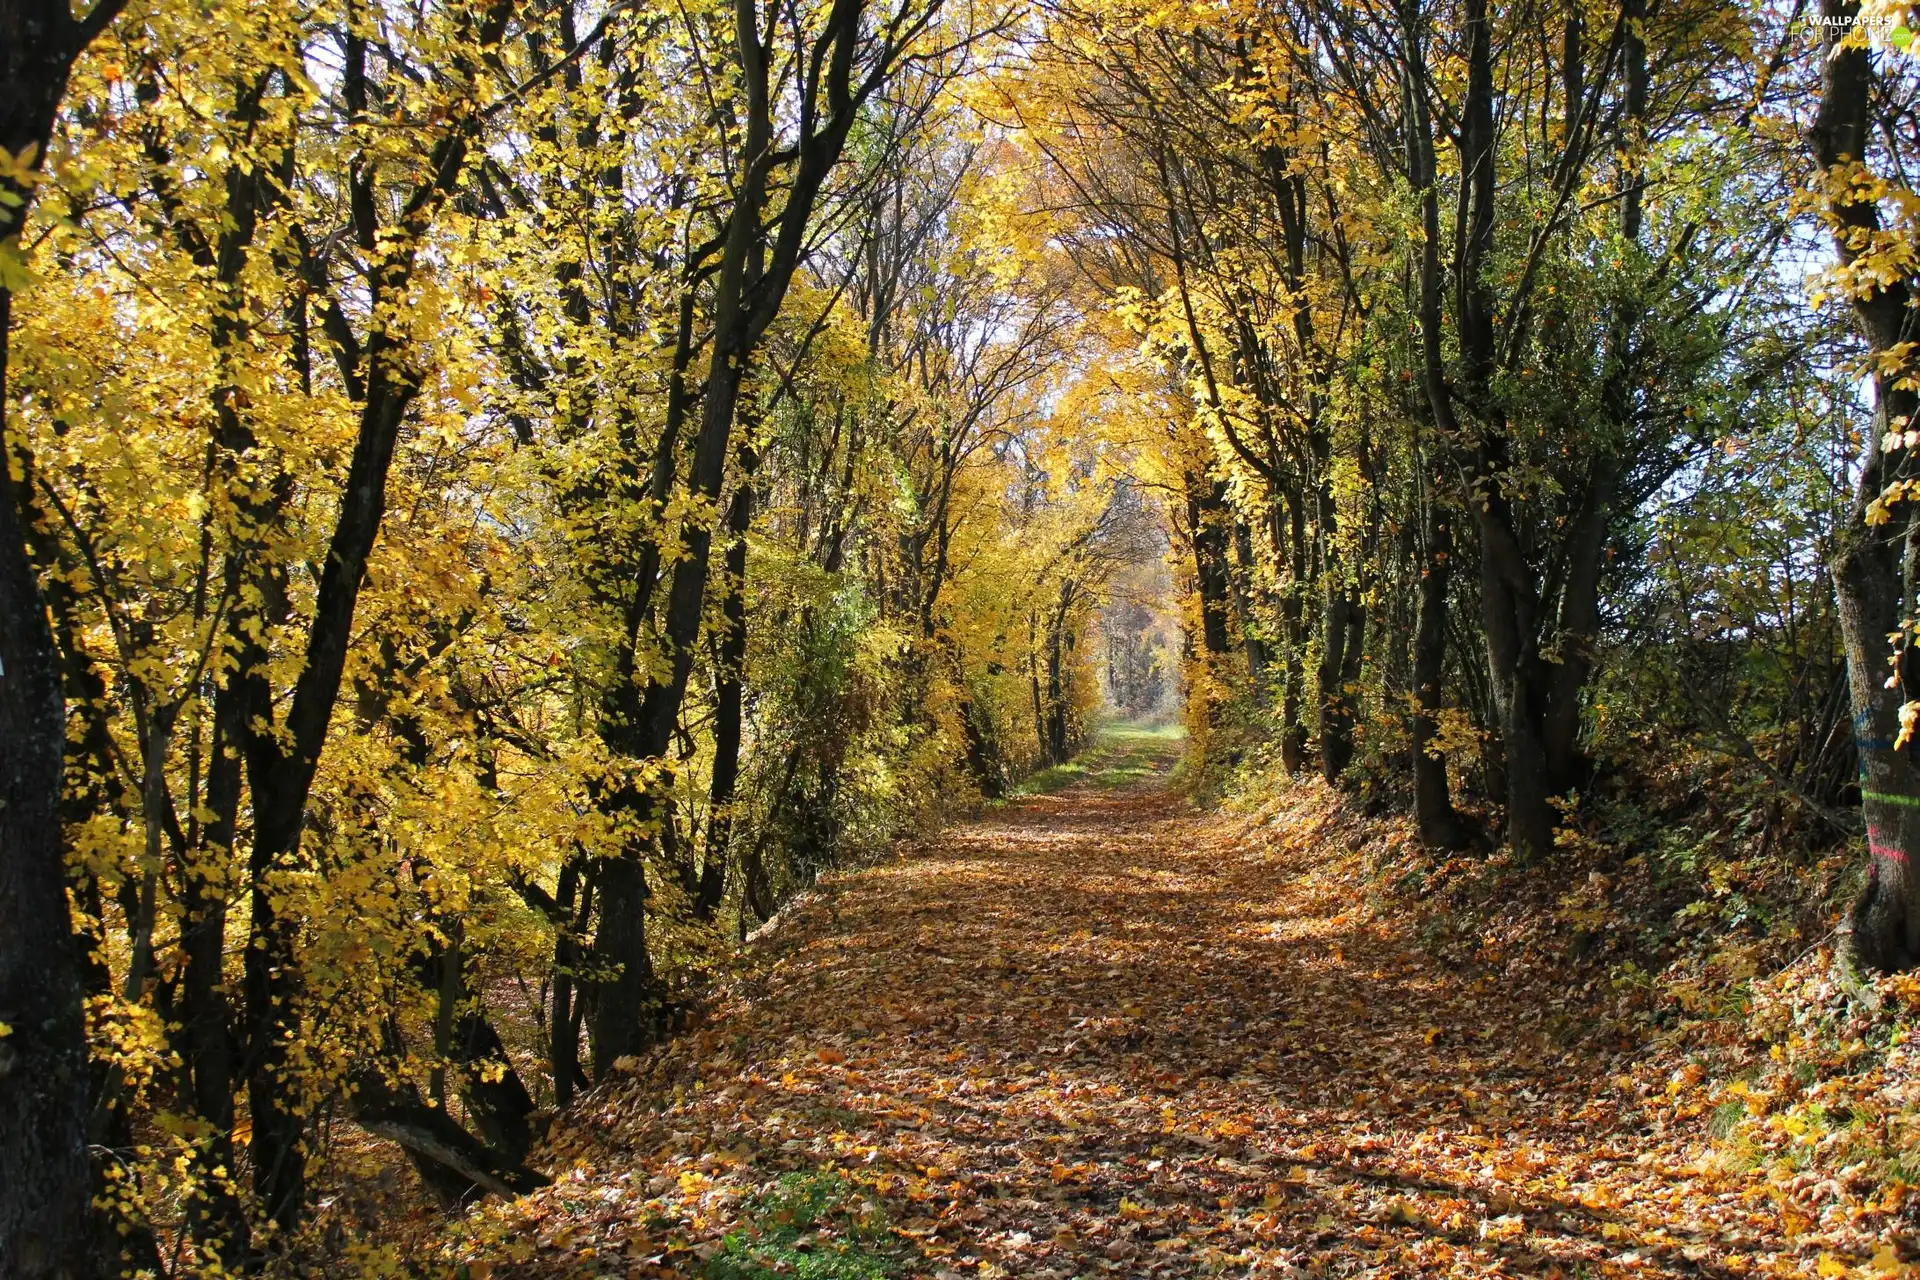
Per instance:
x=1862, y=728
x=1879, y=850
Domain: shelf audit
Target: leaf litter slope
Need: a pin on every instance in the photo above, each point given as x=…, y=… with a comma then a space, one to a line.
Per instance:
x=1098, y=1033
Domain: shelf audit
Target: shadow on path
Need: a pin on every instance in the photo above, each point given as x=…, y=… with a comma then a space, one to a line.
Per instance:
x=1095, y=1032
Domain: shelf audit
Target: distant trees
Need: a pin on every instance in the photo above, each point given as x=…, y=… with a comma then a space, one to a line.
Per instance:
x=1458, y=305
x=1141, y=672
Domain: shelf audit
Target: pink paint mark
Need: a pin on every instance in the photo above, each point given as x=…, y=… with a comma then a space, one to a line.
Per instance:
x=1884, y=851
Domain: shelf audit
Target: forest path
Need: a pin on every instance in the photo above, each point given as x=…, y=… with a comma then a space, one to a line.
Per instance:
x=1096, y=1032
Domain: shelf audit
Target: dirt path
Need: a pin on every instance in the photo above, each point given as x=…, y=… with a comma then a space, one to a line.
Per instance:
x=1097, y=1033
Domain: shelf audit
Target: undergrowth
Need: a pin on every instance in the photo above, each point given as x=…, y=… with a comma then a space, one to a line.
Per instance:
x=811, y=1226
x=1699, y=916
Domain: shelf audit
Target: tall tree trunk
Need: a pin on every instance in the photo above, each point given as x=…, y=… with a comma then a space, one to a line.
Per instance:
x=497, y=1099
x=563, y=1027
x=45, y=1184
x=730, y=659
x=1244, y=596
x=283, y=760
x=1509, y=617
x=1434, y=816
x=1432, y=801
x=215, y=1217
x=1578, y=636
x=1208, y=517
x=1293, y=611
x=44, y=1178
x=749, y=289
x=1874, y=566
x=1343, y=624
x=1576, y=639
x=1059, y=745
x=1051, y=712
x=756, y=895
x=1509, y=593
x=619, y=1022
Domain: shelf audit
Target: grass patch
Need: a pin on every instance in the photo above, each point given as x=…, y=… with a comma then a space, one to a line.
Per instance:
x=810, y=1226
x=1054, y=778
x=1119, y=756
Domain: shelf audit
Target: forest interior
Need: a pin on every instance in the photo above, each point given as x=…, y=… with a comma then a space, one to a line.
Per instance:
x=959, y=638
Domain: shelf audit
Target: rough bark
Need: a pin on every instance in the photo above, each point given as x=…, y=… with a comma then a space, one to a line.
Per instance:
x=45, y=1183
x=44, y=1177
x=1244, y=595
x=730, y=660
x=1432, y=800
x=1293, y=689
x=1434, y=817
x=1207, y=520
x=1874, y=565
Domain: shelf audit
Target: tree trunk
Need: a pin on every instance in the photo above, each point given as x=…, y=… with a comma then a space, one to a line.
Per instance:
x=281, y=776
x=45, y=1183
x=982, y=751
x=215, y=1217
x=1576, y=639
x=756, y=895
x=1056, y=738
x=749, y=288
x=1883, y=924
x=451, y=1160
x=730, y=661
x=1874, y=567
x=1208, y=517
x=1509, y=618
x=1509, y=594
x=563, y=1028
x=618, y=1021
x=1343, y=624
x=497, y=1100
x=1434, y=817
x=1033, y=687
x=1244, y=596
x=44, y=1177
x=1293, y=691
x=496, y=1097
